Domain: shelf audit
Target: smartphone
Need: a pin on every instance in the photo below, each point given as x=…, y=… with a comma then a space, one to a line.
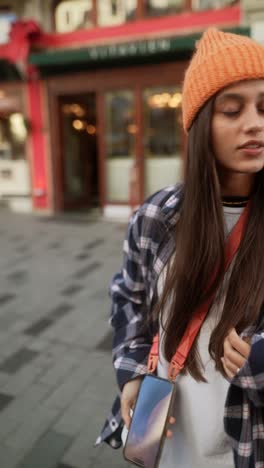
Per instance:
x=146, y=434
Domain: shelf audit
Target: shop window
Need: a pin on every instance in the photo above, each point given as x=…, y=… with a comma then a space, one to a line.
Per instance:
x=162, y=137
x=164, y=7
x=71, y=15
x=212, y=4
x=7, y=17
x=120, y=143
x=13, y=133
x=114, y=12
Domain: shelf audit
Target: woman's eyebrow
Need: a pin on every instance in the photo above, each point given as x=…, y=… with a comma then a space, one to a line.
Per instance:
x=230, y=96
x=235, y=96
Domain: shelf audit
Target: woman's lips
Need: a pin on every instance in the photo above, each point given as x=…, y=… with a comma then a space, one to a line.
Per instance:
x=250, y=151
x=252, y=147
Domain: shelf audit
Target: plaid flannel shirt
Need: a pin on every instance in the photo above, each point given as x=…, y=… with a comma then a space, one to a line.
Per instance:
x=244, y=410
x=149, y=243
x=148, y=246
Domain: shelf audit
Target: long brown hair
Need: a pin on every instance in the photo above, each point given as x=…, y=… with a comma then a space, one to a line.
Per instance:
x=200, y=241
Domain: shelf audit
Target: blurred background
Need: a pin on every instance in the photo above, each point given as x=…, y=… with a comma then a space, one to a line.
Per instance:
x=90, y=125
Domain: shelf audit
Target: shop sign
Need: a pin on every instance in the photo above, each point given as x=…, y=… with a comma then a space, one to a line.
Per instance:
x=70, y=15
x=130, y=49
x=121, y=51
x=112, y=13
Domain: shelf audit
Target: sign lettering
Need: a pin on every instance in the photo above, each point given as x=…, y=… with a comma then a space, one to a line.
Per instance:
x=129, y=49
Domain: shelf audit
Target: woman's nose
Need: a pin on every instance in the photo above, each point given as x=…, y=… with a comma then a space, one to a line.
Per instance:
x=254, y=121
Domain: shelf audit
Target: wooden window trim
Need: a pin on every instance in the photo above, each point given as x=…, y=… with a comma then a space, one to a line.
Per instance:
x=188, y=5
x=94, y=14
x=6, y=9
x=141, y=10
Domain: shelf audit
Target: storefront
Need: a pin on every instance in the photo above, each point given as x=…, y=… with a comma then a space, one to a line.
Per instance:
x=15, y=183
x=105, y=121
x=15, y=179
x=23, y=154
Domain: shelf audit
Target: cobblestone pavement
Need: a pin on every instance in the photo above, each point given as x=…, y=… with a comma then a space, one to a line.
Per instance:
x=56, y=377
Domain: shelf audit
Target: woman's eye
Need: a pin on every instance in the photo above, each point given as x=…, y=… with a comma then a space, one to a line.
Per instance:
x=231, y=112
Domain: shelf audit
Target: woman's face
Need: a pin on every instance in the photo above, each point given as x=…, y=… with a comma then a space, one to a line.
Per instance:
x=238, y=128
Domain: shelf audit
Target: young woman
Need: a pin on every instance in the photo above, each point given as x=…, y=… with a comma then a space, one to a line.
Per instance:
x=174, y=257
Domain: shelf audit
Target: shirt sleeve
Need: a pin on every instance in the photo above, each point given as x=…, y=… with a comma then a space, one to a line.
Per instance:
x=130, y=308
x=251, y=376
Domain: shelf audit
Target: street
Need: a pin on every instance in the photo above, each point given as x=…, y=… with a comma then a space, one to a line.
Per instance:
x=56, y=377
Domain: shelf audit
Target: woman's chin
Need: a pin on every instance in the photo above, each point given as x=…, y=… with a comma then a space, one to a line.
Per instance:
x=250, y=168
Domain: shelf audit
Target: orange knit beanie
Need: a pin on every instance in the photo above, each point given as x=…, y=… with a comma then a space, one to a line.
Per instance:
x=220, y=60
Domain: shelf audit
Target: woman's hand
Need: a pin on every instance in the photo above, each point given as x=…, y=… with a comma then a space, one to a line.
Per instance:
x=236, y=352
x=128, y=399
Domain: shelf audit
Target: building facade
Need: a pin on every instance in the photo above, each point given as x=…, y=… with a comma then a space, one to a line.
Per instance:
x=102, y=86
x=254, y=16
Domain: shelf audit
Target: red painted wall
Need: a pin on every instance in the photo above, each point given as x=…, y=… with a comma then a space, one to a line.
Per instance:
x=37, y=145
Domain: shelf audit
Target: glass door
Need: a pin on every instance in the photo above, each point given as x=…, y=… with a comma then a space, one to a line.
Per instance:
x=79, y=151
x=156, y=146
x=120, y=144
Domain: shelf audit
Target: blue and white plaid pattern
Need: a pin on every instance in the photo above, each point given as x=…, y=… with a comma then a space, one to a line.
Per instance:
x=244, y=411
x=149, y=244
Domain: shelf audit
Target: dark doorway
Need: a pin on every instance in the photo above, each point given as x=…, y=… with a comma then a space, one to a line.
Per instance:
x=79, y=151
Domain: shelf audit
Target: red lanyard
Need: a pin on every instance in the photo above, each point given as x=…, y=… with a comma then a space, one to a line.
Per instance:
x=180, y=356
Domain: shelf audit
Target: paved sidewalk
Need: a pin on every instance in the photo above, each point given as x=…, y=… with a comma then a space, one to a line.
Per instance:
x=56, y=377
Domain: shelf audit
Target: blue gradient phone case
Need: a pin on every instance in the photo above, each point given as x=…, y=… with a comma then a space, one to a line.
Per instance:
x=147, y=430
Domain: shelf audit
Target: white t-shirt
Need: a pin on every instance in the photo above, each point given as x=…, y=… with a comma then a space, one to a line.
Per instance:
x=199, y=440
